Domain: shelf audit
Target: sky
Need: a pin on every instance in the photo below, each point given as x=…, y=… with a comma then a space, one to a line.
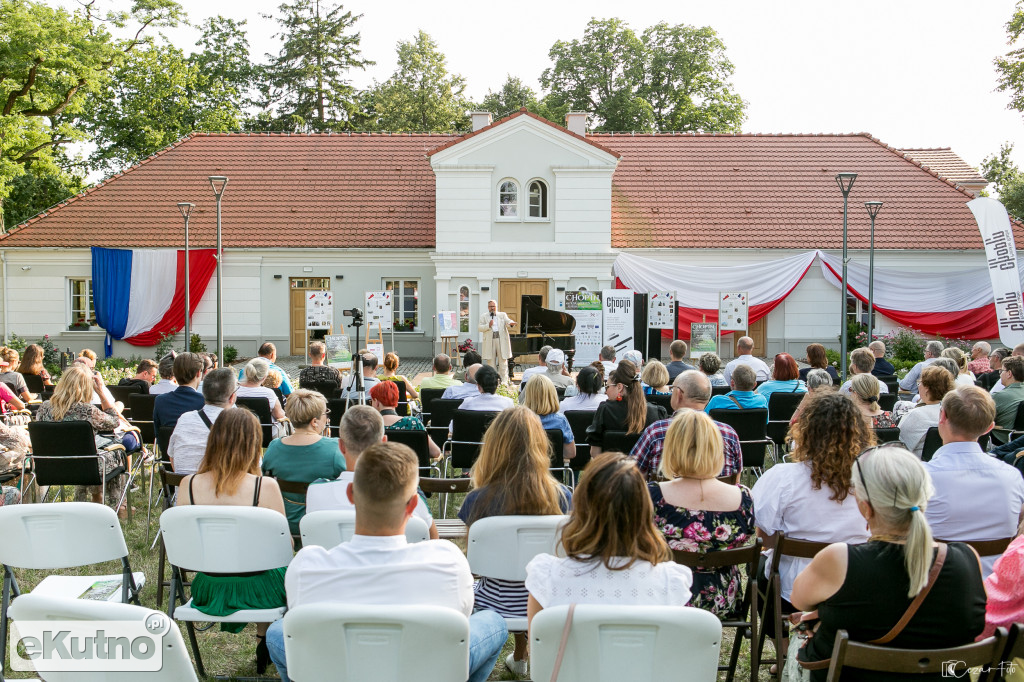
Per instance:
x=912, y=73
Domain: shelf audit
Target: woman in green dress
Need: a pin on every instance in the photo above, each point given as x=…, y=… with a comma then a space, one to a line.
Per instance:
x=230, y=475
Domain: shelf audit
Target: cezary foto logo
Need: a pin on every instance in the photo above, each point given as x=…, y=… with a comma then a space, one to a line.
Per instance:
x=89, y=646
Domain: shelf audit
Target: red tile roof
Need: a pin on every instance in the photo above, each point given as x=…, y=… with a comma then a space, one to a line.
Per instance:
x=947, y=164
x=678, y=191
x=779, y=191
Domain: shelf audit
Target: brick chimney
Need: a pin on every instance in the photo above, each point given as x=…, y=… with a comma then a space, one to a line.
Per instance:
x=481, y=119
x=576, y=122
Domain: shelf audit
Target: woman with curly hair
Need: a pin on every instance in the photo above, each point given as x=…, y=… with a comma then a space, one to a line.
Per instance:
x=809, y=498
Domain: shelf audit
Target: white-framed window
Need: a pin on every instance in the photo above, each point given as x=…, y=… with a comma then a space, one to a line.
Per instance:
x=508, y=199
x=82, y=313
x=537, y=194
x=405, y=303
x=463, y=310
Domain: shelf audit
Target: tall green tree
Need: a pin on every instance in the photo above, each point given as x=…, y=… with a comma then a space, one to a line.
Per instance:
x=1006, y=179
x=31, y=193
x=510, y=98
x=421, y=95
x=51, y=61
x=667, y=78
x=308, y=80
x=1010, y=66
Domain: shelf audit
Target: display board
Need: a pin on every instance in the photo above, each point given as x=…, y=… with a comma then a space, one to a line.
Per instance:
x=585, y=307
x=319, y=310
x=659, y=310
x=376, y=348
x=732, y=311
x=618, y=320
x=378, y=310
x=447, y=324
x=703, y=338
x=339, y=355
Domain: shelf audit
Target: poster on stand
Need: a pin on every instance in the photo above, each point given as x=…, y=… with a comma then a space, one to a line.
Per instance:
x=659, y=309
x=732, y=311
x=378, y=310
x=339, y=355
x=319, y=310
x=447, y=324
x=376, y=348
x=585, y=308
x=703, y=338
x=618, y=320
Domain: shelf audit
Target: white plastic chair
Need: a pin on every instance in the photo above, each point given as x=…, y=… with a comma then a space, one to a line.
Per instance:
x=636, y=643
x=222, y=539
x=62, y=535
x=329, y=528
x=501, y=546
x=380, y=643
x=177, y=667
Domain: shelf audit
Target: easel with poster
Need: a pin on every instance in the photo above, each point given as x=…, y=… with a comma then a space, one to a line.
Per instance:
x=448, y=330
x=732, y=313
x=376, y=346
x=319, y=314
x=378, y=312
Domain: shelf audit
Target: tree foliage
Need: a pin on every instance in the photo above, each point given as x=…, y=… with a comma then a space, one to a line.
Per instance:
x=1006, y=179
x=510, y=98
x=667, y=78
x=31, y=193
x=421, y=95
x=1010, y=67
x=307, y=80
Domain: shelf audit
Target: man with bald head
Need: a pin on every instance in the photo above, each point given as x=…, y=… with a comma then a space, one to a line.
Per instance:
x=466, y=390
x=496, y=346
x=745, y=348
x=691, y=390
x=442, y=377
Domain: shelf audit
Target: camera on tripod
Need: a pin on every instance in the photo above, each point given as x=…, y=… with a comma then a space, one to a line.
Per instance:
x=356, y=314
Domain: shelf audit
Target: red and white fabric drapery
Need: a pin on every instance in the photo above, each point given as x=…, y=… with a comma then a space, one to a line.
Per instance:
x=957, y=304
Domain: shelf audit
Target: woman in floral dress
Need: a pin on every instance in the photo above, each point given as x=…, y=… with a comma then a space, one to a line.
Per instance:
x=698, y=513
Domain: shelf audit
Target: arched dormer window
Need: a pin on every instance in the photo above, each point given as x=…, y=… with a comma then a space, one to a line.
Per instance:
x=538, y=195
x=508, y=199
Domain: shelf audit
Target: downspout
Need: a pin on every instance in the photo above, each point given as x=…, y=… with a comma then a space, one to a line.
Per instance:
x=3, y=257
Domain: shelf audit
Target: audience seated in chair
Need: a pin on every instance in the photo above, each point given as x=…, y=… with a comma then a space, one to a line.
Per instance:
x=541, y=397
x=307, y=454
x=378, y=565
x=442, y=376
x=745, y=358
x=626, y=408
x=964, y=376
x=678, y=352
x=818, y=359
x=10, y=376
x=785, y=377
x=882, y=367
x=465, y=390
x=384, y=399
x=145, y=375
x=166, y=369
x=742, y=395
x=698, y=513
x=230, y=475
x=589, y=386
x=188, y=442
x=1010, y=397
x=360, y=428
x=691, y=390
x=866, y=589
x=976, y=497
x=934, y=384
x=862, y=360
x=485, y=400
x=188, y=370
x=369, y=377
x=255, y=373
x=32, y=363
x=711, y=365
x=391, y=361
x=268, y=352
x=655, y=379
x=71, y=402
x=864, y=390
x=1005, y=598
x=809, y=498
x=511, y=478
x=613, y=553
x=317, y=370
x=818, y=381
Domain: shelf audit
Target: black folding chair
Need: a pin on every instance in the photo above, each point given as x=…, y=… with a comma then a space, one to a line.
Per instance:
x=337, y=411
x=326, y=387
x=123, y=394
x=427, y=396
x=34, y=383
x=64, y=453
x=888, y=434
x=619, y=441
x=468, y=430
x=261, y=408
x=402, y=409
x=891, y=382
x=442, y=411
x=419, y=441
x=141, y=405
x=746, y=618
x=560, y=391
x=556, y=443
x=887, y=401
x=719, y=390
x=579, y=422
x=751, y=426
x=781, y=408
x=663, y=400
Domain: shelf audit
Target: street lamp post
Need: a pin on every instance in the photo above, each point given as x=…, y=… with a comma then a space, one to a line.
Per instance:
x=219, y=183
x=845, y=182
x=873, y=208
x=186, y=211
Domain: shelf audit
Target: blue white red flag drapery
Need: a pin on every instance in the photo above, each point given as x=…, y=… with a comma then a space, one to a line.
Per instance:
x=139, y=294
x=959, y=304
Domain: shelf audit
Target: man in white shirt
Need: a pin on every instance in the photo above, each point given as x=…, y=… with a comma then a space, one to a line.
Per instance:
x=378, y=566
x=167, y=382
x=862, y=361
x=608, y=360
x=361, y=428
x=188, y=442
x=745, y=348
x=932, y=351
x=369, y=378
x=486, y=400
x=542, y=366
x=976, y=497
x=466, y=390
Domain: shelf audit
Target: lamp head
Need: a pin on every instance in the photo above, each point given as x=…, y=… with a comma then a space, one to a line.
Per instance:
x=873, y=208
x=185, y=208
x=218, y=183
x=845, y=182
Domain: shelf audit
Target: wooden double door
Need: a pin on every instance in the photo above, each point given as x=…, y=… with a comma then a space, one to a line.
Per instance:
x=511, y=291
x=298, y=286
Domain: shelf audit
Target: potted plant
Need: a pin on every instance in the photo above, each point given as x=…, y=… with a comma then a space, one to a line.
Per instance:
x=81, y=324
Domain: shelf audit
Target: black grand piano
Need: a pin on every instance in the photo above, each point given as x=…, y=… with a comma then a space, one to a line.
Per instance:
x=541, y=326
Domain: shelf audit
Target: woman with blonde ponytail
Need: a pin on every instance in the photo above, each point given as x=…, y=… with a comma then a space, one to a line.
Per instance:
x=867, y=589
